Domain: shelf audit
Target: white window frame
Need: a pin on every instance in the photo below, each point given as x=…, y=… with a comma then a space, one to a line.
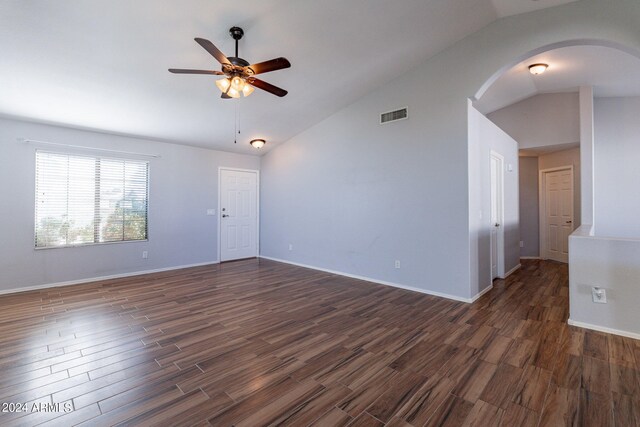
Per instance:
x=94, y=156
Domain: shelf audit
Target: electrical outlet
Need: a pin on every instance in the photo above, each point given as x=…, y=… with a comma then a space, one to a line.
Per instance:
x=211, y=212
x=599, y=295
x=397, y=263
x=522, y=243
x=290, y=247
x=145, y=254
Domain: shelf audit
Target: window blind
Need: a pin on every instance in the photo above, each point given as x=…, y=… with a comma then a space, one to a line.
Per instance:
x=86, y=199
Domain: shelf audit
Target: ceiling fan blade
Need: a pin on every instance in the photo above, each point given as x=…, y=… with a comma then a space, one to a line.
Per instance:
x=186, y=71
x=225, y=96
x=214, y=51
x=271, y=65
x=261, y=84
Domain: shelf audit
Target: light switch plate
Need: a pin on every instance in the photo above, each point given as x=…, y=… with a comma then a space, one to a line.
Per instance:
x=211, y=212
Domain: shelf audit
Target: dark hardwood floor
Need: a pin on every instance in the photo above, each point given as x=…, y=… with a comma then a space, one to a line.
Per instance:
x=256, y=342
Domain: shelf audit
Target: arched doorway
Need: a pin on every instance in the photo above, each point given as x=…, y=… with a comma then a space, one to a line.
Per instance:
x=578, y=71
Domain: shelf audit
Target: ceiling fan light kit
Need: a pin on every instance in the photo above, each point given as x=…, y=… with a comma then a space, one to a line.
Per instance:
x=237, y=83
x=223, y=84
x=247, y=90
x=235, y=87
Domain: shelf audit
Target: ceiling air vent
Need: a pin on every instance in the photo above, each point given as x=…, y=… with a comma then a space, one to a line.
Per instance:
x=393, y=116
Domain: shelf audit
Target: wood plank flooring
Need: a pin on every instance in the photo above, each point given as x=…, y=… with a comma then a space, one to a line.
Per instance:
x=256, y=342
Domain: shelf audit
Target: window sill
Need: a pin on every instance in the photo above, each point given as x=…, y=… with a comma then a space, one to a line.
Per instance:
x=81, y=245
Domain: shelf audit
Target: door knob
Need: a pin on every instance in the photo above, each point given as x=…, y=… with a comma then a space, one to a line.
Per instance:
x=497, y=225
x=224, y=215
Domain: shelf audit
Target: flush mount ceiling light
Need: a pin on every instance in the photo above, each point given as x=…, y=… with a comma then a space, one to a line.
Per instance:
x=536, y=69
x=257, y=143
x=239, y=76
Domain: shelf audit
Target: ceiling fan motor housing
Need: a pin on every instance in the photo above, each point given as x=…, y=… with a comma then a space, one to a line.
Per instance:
x=237, y=61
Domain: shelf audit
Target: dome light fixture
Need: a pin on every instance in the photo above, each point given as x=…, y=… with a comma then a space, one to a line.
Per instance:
x=537, y=69
x=257, y=143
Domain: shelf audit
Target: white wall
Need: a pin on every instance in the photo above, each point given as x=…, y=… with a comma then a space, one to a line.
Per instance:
x=614, y=265
x=617, y=167
x=183, y=185
x=607, y=255
x=353, y=196
x=542, y=120
x=586, y=154
x=485, y=137
x=529, y=207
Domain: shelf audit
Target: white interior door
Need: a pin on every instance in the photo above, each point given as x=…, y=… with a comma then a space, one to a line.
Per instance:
x=558, y=213
x=238, y=214
x=496, y=214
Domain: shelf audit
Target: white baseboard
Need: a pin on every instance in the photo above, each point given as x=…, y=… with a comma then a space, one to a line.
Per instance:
x=382, y=282
x=530, y=257
x=482, y=292
x=513, y=270
x=627, y=334
x=100, y=278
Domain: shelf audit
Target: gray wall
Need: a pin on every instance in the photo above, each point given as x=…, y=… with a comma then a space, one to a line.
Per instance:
x=529, y=207
x=542, y=120
x=567, y=158
x=617, y=167
x=607, y=255
x=485, y=137
x=183, y=185
x=353, y=196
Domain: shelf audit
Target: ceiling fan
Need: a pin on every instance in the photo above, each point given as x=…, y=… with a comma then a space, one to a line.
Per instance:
x=239, y=74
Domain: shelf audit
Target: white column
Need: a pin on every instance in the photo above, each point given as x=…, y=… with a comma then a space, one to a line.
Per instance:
x=586, y=154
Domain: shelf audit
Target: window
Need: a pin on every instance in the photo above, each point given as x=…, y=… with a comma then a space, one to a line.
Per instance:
x=86, y=200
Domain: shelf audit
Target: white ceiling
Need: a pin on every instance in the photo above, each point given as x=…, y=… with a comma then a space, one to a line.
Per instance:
x=515, y=7
x=547, y=149
x=102, y=64
x=611, y=72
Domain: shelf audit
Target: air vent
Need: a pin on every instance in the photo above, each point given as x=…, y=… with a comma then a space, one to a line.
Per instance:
x=393, y=116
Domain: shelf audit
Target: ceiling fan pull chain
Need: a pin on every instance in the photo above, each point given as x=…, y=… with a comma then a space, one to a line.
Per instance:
x=236, y=131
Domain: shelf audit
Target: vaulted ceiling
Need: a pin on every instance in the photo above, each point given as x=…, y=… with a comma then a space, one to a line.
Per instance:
x=102, y=64
x=611, y=72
